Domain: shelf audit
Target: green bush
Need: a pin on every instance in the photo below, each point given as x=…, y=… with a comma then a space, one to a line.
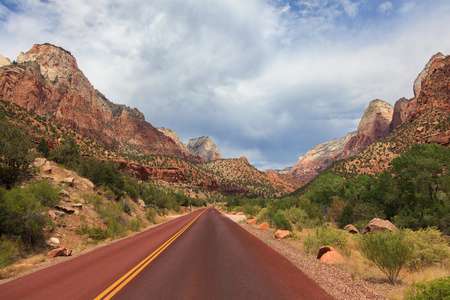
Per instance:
x=9, y=250
x=21, y=215
x=325, y=236
x=15, y=155
x=280, y=221
x=436, y=289
x=47, y=194
x=135, y=225
x=126, y=207
x=68, y=154
x=429, y=248
x=390, y=252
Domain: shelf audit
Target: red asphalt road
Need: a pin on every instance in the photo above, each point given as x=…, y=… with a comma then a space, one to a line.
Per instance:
x=213, y=259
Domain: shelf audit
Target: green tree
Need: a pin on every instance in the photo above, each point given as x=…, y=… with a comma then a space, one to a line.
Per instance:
x=43, y=148
x=15, y=156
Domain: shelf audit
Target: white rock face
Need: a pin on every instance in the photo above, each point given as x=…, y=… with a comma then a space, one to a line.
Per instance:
x=4, y=61
x=204, y=147
x=424, y=73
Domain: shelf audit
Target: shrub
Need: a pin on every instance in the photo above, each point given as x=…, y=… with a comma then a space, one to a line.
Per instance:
x=325, y=236
x=135, y=225
x=9, y=249
x=429, y=248
x=15, y=155
x=126, y=207
x=390, y=252
x=436, y=289
x=280, y=221
x=21, y=215
x=45, y=193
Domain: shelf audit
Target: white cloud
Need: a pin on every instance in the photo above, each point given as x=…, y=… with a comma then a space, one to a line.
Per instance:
x=386, y=8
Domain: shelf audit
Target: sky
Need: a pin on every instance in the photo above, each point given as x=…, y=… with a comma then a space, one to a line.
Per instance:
x=264, y=79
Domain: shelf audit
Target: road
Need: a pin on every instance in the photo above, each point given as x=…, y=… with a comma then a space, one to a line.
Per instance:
x=207, y=256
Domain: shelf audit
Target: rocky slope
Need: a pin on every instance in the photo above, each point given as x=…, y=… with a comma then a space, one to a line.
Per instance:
x=47, y=80
x=204, y=147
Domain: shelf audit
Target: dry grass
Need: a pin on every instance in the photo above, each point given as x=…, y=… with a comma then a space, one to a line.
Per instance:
x=36, y=259
x=360, y=268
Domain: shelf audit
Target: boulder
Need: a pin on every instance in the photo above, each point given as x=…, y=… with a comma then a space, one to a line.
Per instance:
x=69, y=180
x=378, y=225
x=77, y=205
x=51, y=214
x=324, y=250
x=54, y=240
x=263, y=226
x=329, y=255
x=65, y=208
x=351, y=229
x=251, y=221
x=240, y=213
x=141, y=203
x=63, y=251
x=281, y=234
x=332, y=258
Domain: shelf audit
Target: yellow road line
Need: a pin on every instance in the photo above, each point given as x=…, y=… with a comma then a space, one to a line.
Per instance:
x=119, y=284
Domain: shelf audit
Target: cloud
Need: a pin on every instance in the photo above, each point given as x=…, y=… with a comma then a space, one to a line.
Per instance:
x=386, y=8
x=264, y=79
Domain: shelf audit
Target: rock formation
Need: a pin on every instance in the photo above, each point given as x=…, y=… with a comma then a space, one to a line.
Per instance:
x=47, y=80
x=318, y=158
x=4, y=61
x=170, y=133
x=204, y=147
x=374, y=126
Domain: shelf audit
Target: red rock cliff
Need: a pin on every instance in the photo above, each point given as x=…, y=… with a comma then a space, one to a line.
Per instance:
x=47, y=80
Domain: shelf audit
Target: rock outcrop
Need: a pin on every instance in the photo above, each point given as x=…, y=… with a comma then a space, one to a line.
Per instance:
x=47, y=80
x=145, y=173
x=170, y=133
x=4, y=61
x=374, y=126
x=319, y=157
x=204, y=147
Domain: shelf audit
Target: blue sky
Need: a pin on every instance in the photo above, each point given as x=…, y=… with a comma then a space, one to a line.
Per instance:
x=265, y=79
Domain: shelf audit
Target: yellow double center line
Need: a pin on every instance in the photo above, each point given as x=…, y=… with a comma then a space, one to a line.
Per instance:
x=119, y=284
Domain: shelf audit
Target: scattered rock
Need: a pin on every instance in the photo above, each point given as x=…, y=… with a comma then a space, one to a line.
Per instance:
x=324, y=250
x=263, y=226
x=54, y=241
x=251, y=221
x=77, y=205
x=378, y=225
x=69, y=180
x=141, y=203
x=351, y=229
x=52, y=214
x=332, y=258
x=281, y=234
x=240, y=213
x=64, y=193
x=419, y=129
x=132, y=214
x=65, y=208
x=63, y=251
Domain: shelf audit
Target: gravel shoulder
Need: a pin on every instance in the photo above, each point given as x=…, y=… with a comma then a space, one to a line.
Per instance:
x=333, y=280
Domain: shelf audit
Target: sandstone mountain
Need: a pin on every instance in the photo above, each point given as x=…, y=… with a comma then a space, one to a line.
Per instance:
x=319, y=157
x=204, y=147
x=47, y=80
x=421, y=119
x=373, y=127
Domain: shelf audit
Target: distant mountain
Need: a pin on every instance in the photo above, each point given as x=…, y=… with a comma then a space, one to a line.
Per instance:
x=424, y=119
x=204, y=147
x=47, y=80
x=385, y=132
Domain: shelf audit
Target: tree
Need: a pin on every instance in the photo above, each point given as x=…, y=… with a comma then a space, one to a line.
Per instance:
x=15, y=155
